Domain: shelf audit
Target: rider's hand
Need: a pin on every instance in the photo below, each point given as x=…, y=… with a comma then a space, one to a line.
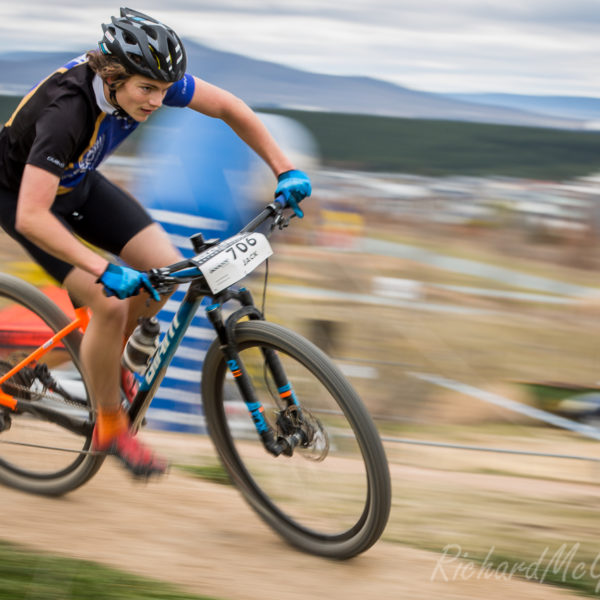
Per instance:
x=123, y=282
x=293, y=186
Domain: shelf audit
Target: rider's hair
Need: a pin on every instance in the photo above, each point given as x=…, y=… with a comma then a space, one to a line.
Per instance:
x=108, y=67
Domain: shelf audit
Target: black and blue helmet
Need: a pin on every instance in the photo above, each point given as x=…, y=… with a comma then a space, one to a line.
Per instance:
x=144, y=46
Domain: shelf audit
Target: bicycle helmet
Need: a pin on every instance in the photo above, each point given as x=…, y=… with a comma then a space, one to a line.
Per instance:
x=144, y=46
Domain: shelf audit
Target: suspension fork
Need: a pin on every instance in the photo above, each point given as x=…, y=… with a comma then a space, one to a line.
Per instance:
x=225, y=332
x=284, y=387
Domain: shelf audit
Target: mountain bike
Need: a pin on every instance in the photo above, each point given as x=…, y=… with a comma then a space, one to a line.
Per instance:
x=290, y=430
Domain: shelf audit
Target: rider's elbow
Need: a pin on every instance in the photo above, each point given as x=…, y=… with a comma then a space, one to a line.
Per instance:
x=26, y=223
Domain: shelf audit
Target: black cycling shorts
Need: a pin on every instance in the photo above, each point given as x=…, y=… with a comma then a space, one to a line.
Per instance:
x=96, y=210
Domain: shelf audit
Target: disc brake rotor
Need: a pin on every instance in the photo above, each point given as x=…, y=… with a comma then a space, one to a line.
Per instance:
x=291, y=419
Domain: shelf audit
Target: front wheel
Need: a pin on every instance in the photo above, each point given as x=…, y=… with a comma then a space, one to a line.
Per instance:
x=331, y=498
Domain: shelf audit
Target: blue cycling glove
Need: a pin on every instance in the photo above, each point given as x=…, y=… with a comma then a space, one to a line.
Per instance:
x=124, y=282
x=293, y=186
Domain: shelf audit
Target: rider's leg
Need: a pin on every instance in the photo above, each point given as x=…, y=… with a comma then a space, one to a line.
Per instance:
x=100, y=356
x=150, y=248
x=100, y=353
x=112, y=319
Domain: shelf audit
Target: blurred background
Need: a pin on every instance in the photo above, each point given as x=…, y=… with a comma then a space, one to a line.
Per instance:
x=449, y=255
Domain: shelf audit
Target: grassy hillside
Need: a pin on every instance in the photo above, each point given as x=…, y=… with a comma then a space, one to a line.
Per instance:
x=450, y=147
x=439, y=147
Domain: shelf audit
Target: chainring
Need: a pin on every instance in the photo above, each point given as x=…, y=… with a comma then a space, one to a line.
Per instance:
x=19, y=385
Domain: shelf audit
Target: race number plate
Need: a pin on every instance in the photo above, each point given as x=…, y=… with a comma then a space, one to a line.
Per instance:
x=231, y=260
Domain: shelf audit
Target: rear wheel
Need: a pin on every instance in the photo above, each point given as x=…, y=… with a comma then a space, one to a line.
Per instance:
x=332, y=497
x=37, y=455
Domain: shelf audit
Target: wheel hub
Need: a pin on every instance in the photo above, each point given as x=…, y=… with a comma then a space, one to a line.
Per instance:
x=315, y=445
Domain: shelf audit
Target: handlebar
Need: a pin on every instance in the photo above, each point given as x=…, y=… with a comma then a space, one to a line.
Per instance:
x=163, y=279
x=270, y=211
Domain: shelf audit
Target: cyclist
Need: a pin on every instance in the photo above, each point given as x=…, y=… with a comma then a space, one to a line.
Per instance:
x=52, y=197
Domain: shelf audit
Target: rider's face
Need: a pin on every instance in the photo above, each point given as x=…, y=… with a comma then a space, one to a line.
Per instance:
x=140, y=96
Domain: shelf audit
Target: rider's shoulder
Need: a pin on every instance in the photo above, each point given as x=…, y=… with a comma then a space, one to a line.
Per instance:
x=82, y=59
x=73, y=79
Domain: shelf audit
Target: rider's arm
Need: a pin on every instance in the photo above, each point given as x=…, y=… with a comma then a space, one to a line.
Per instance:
x=216, y=102
x=37, y=223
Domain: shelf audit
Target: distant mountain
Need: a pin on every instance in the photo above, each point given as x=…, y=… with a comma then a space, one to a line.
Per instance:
x=264, y=84
x=572, y=107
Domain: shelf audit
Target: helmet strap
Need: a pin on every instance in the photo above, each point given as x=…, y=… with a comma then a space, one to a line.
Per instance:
x=112, y=93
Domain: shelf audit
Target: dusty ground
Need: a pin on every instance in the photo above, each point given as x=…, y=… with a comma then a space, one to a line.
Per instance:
x=203, y=537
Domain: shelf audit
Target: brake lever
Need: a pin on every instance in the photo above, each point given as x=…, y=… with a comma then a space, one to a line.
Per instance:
x=285, y=222
x=161, y=281
x=281, y=221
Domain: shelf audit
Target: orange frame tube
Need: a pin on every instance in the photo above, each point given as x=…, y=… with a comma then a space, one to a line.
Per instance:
x=82, y=318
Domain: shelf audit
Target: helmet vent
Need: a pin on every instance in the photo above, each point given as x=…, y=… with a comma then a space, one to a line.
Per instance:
x=145, y=46
x=150, y=32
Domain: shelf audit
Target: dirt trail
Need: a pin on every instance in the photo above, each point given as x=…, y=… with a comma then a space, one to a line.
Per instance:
x=203, y=537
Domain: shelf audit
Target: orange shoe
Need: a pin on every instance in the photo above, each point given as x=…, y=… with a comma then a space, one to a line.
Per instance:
x=135, y=456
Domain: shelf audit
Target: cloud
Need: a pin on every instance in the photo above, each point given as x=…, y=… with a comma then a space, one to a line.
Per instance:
x=524, y=46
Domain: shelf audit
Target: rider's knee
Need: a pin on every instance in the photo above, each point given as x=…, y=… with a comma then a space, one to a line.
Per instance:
x=110, y=310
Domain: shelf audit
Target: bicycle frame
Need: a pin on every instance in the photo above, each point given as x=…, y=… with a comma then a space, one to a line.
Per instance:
x=82, y=318
x=161, y=359
x=186, y=271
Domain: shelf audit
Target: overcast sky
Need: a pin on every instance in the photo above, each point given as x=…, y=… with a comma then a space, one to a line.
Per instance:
x=513, y=46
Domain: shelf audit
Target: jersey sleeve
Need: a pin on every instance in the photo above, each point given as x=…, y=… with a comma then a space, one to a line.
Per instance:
x=181, y=92
x=57, y=135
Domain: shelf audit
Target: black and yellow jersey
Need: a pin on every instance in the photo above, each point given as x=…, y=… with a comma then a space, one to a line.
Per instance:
x=65, y=125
